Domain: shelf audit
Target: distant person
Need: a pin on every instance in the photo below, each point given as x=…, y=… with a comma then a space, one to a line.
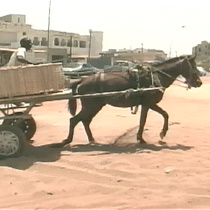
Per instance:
x=19, y=57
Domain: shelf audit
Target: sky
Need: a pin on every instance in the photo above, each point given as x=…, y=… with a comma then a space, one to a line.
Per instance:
x=172, y=26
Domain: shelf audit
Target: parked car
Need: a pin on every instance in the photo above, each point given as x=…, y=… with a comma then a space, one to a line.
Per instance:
x=115, y=68
x=201, y=70
x=77, y=70
x=119, y=66
x=124, y=63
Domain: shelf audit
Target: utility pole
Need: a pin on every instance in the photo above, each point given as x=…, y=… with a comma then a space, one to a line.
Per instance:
x=48, y=34
x=169, y=56
x=90, y=31
x=70, y=53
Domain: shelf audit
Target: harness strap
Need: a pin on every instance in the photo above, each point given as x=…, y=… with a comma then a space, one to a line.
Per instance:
x=154, y=82
x=138, y=79
x=152, y=78
x=190, y=74
x=134, y=110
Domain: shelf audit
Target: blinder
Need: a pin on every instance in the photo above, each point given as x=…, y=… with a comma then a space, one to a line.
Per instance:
x=192, y=79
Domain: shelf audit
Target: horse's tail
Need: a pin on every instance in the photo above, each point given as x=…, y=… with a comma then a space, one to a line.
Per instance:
x=72, y=104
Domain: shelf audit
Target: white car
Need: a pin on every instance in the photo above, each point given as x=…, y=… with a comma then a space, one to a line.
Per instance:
x=76, y=70
x=202, y=72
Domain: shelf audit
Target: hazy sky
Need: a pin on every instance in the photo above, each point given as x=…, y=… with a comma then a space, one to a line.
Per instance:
x=157, y=24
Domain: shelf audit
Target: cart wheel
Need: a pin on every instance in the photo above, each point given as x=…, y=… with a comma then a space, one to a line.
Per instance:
x=28, y=126
x=12, y=141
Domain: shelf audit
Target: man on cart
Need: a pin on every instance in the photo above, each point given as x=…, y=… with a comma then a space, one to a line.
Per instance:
x=20, y=56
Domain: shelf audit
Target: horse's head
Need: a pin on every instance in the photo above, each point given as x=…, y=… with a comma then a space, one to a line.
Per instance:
x=190, y=72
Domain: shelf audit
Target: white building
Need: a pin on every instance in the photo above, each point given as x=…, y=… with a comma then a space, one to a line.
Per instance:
x=61, y=44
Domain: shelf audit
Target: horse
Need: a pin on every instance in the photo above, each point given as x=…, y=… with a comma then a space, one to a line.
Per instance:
x=161, y=75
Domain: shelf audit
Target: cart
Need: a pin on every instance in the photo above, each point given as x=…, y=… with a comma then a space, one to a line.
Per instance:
x=24, y=87
x=19, y=126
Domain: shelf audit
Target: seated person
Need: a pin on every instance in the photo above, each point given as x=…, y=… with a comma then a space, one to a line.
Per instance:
x=18, y=58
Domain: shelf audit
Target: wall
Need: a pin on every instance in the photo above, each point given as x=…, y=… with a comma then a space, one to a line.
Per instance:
x=13, y=18
x=6, y=38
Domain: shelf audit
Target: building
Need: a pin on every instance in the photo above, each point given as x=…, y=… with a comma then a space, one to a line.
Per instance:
x=62, y=45
x=202, y=50
x=202, y=53
x=138, y=55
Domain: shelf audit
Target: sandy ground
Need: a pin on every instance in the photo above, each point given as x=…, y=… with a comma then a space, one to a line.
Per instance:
x=117, y=173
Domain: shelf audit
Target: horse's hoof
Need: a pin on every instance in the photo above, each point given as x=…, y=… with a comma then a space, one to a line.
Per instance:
x=162, y=135
x=142, y=141
x=162, y=142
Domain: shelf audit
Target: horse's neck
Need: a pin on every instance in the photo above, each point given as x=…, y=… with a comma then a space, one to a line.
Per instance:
x=168, y=76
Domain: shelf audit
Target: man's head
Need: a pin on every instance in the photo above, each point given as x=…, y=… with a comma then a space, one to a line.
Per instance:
x=26, y=43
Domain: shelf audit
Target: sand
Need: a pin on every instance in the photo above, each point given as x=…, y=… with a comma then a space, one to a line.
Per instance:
x=116, y=173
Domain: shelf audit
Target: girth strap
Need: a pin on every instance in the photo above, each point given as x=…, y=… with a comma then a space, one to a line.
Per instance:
x=155, y=82
x=134, y=110
x=100, y=78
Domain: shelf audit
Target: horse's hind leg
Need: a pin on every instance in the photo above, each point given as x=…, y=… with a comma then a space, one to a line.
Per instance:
x=89, y=110
x=143, y=117
x=72, y=124
x=91, y=113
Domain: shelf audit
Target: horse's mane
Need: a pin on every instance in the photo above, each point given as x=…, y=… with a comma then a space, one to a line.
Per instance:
x=170, y=61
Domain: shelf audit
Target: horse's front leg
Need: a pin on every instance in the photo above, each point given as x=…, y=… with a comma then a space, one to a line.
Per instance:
x=165, y=116
x=143, y=118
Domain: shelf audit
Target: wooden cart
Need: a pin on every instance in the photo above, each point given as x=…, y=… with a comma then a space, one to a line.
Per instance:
x=17, y=124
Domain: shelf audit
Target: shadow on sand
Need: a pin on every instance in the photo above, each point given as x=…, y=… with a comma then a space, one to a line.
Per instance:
x=46, y=153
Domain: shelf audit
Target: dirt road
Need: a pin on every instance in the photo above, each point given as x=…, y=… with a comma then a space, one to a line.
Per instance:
x=117, y=173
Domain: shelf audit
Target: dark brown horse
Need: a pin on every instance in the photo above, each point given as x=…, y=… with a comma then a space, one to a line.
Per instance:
x=161, y=75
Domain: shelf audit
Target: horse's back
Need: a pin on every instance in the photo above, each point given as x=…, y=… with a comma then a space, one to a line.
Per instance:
x=106, y=82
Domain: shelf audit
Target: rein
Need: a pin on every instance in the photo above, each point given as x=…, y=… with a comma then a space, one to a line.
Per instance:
x=175, y=79
x=168, y=75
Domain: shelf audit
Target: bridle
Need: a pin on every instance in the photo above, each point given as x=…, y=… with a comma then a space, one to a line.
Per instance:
x=190, y=74
x=176, y=79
